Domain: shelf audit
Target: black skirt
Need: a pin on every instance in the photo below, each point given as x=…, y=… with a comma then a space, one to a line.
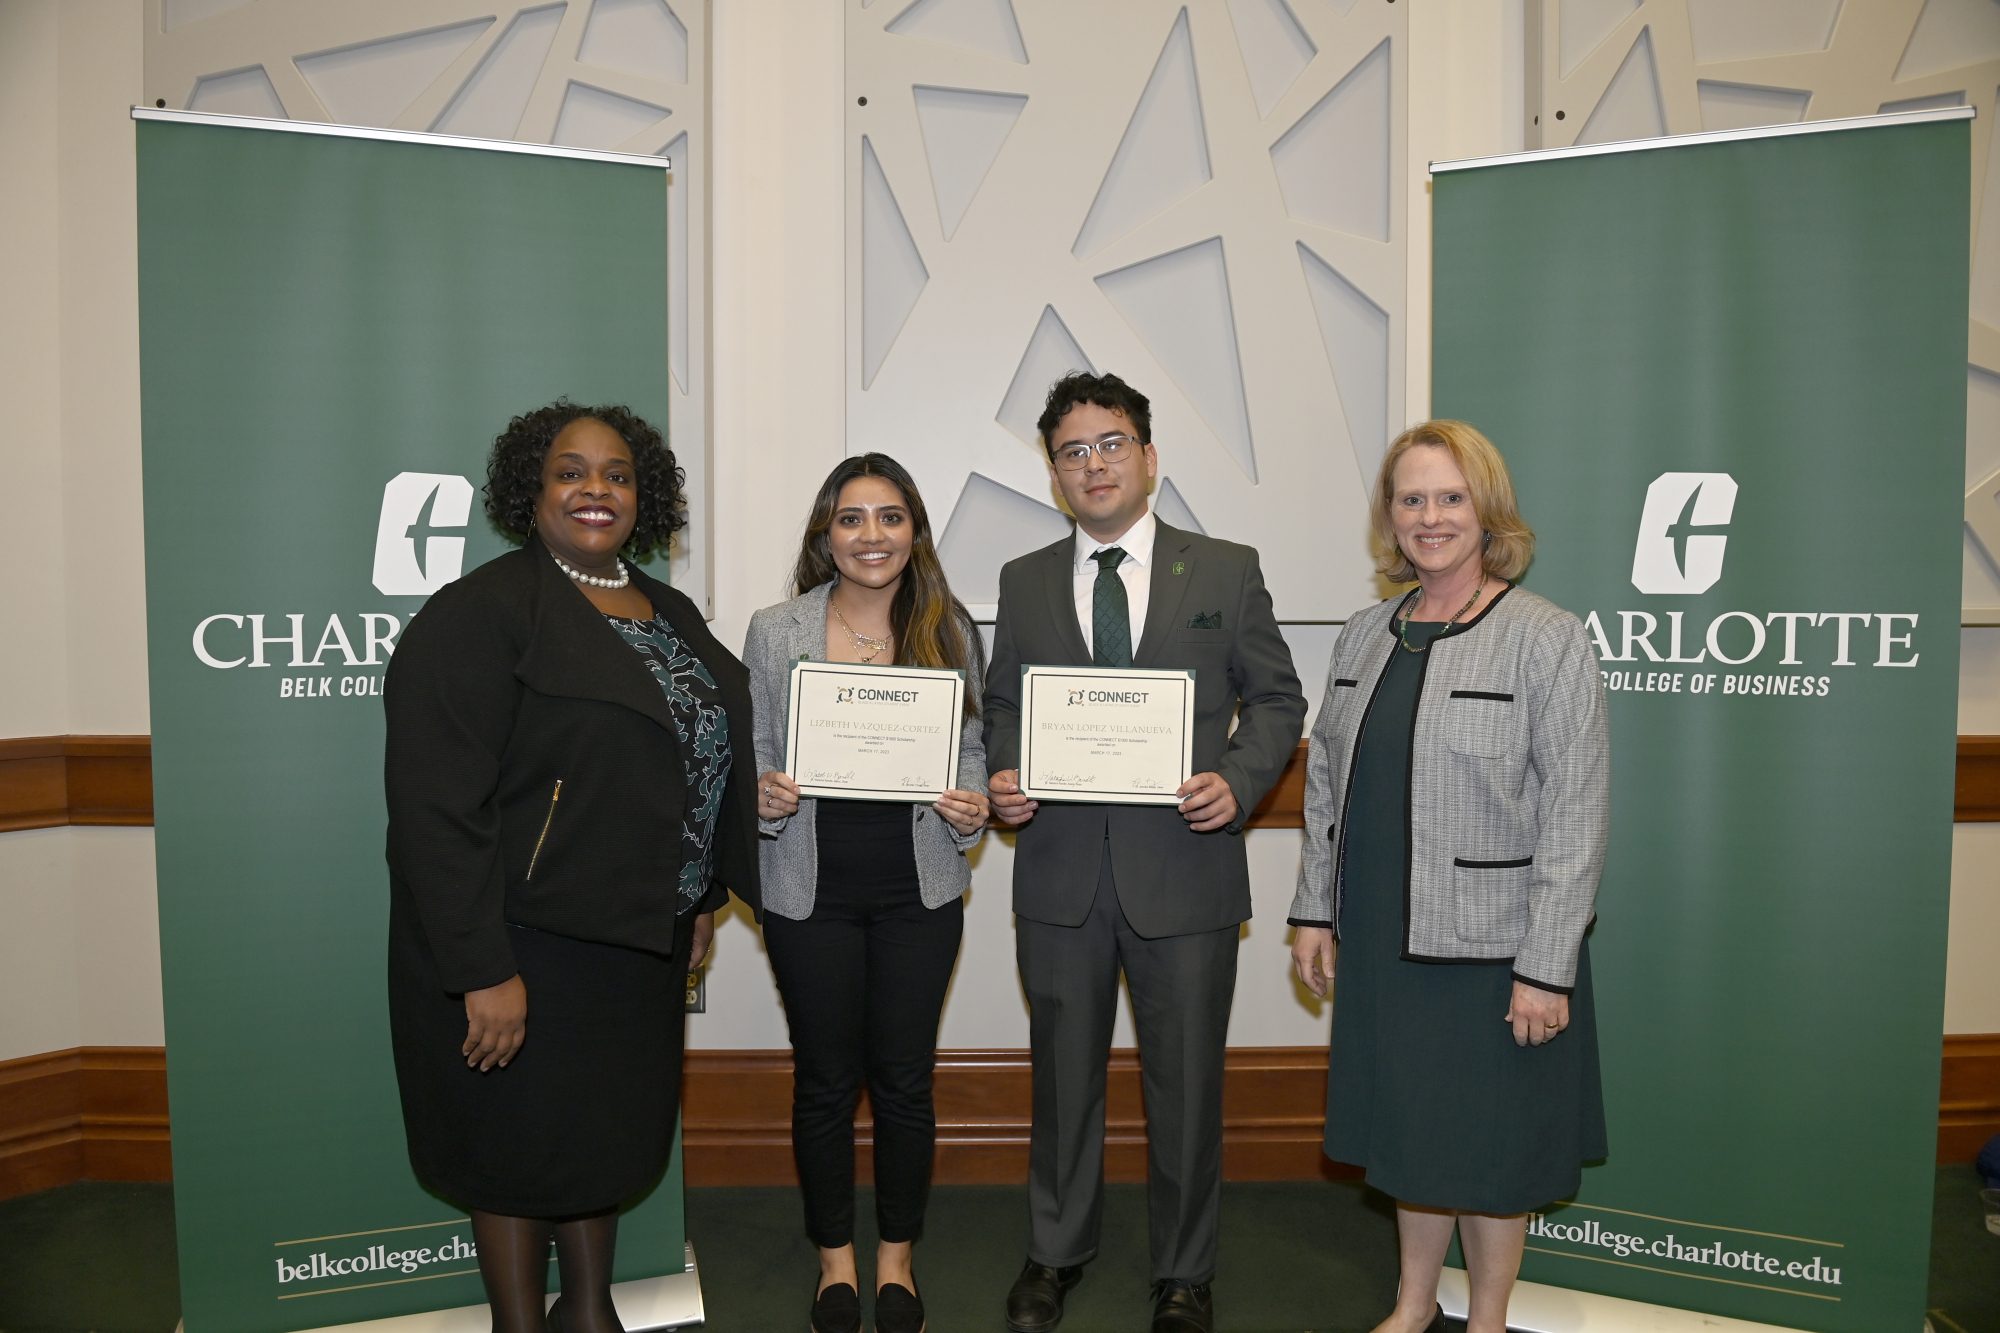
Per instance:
x=582, y=1119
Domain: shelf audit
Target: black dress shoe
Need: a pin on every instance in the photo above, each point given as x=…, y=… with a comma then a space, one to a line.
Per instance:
x=1183, y=1307
x=837, y=1309
x=1035, y=1301
x=899, y=1309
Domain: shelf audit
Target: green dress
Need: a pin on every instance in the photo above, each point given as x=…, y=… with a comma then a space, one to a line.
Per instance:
x=1426, y=1089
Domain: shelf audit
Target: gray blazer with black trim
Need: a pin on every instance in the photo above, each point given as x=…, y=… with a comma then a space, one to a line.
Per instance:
x=788, y=849
x=1509, y=798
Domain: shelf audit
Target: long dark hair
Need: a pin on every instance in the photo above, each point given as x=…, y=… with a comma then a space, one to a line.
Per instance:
x=932, y=627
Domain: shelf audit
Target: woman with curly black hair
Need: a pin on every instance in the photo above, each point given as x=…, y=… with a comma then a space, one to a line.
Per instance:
x=570, y=777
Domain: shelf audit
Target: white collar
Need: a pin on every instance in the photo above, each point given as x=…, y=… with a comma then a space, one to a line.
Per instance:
x=1136, y=541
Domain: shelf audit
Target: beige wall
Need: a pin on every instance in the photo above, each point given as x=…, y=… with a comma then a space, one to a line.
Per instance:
x=1972, y=977
x=33, y=670
x=78, y=940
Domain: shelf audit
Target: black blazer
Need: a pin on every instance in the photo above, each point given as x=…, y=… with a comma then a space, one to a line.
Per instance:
x=507, y=683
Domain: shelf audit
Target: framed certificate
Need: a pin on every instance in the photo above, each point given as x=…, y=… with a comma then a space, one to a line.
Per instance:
x=874, y=733
x=1103, y=734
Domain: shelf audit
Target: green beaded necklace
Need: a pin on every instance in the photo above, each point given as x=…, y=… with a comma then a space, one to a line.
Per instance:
x=1403, y=624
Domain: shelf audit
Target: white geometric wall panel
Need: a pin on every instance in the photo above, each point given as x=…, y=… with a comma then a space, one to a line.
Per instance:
x=627, y=76
x=1626, y=69
x=1203, y=196
x=963, y=132
x=1275, y=48
x=1052, y=353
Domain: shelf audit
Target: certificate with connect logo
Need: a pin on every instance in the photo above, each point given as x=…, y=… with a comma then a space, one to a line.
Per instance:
x=874, y=733
x=1122, y=735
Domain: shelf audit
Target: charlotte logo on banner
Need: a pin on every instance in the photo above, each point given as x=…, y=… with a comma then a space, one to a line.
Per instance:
x=416, y=502
x=342, y=656
x=1681, y=550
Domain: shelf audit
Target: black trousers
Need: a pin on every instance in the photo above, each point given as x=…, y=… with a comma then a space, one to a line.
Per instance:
x=863, y=980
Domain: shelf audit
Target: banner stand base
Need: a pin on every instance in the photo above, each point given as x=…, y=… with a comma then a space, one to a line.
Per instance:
x=644, y=1304
x=1539, y=1308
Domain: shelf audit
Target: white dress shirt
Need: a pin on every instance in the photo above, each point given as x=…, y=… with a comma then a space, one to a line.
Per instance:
x=1134, y=571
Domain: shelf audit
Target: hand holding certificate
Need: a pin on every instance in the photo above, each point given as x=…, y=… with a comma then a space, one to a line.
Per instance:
x=874, y=733
x=1103, y=734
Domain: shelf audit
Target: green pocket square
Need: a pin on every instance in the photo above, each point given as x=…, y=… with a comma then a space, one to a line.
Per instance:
x=1205, y=620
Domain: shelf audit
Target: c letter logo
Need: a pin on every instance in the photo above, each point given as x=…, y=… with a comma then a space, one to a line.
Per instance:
x=414, y=503
x=1671, y=557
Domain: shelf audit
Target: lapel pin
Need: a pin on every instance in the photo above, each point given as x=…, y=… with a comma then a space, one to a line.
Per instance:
x=1180, y=567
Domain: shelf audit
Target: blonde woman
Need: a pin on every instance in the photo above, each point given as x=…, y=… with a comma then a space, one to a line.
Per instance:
x=1457, y=794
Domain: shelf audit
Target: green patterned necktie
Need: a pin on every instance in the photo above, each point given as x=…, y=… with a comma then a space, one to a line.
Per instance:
x=1110, y=613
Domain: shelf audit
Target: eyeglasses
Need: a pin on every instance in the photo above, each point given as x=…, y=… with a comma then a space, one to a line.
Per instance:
x=1112, y=448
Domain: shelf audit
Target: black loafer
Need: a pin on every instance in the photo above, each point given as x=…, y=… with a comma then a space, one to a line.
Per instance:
x=1035, y=1301
x=1183, y=1307
x=837, y=1309
x=898, y=1309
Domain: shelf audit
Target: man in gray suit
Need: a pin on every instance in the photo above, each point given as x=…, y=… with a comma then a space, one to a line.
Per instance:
x=1157, y=890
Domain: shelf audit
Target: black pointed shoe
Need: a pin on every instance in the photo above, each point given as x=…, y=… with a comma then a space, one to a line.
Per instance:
x=837, y=1309
x=899, y=1309
x=1183, y=1307
x=1035, y=1301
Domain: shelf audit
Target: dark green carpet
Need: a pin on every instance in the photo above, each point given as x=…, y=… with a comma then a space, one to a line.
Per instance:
x=100, y=1257
x=97, y=1256
x=1294, y=1257
x=1965, y=1257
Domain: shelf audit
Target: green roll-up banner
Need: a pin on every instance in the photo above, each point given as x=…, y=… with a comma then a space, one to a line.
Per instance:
x=332, y=331
x=1728, y=375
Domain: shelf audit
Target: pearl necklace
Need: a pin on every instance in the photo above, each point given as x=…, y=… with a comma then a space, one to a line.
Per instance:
x=1403, y=625
x=624, y=575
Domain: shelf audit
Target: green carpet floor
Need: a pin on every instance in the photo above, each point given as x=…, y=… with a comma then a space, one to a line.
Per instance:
x=99, y=1258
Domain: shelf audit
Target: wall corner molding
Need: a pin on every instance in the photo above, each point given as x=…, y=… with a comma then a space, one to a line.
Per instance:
x=54, y=781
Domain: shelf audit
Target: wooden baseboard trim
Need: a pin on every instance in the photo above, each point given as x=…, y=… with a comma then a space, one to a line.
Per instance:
x=87, y=1113
x=736, y=1117
x=1969, y=1098
x=1976, y=793
x=51, y=781
x=100, y=1113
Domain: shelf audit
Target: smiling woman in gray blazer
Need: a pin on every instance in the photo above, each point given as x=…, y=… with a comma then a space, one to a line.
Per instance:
x=1457, y=791
x=862, y=899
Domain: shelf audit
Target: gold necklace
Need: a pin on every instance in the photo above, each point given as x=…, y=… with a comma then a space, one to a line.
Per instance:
x=1403, y=625
x=874, y=645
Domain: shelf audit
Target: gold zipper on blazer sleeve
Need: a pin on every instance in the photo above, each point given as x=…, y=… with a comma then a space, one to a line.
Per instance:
x=547, y=820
